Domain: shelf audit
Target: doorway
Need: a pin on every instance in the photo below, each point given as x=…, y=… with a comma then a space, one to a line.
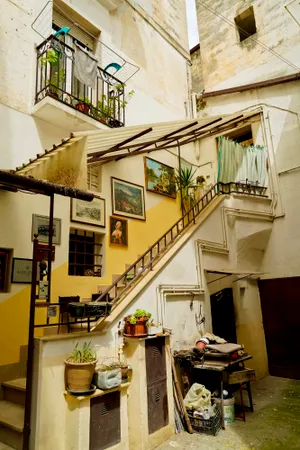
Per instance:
x=222, y=313
x=280, y=304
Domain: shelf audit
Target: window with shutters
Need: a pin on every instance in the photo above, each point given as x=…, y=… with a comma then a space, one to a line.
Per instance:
x=94, y=178
x=93, y=92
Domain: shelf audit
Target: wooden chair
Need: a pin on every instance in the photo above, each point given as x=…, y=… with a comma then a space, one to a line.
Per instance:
x=63, y=309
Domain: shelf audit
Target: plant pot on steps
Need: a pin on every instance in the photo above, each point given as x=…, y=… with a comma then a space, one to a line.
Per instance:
x=79, y=376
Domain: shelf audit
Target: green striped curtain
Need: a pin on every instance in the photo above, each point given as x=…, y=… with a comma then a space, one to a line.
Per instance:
x=238, y=163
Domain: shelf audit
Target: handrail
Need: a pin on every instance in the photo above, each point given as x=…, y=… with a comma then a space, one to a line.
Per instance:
x=181, y=225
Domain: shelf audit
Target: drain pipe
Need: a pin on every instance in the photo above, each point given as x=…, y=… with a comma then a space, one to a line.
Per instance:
x=182, y=290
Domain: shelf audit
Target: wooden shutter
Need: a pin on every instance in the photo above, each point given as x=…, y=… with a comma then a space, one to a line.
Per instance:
x=77, y=33
x=93, y=178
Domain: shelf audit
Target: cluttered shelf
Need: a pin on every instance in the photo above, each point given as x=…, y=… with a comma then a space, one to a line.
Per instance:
x=211, y=373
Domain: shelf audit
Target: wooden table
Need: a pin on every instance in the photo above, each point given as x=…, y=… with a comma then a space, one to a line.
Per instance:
x=221, y=367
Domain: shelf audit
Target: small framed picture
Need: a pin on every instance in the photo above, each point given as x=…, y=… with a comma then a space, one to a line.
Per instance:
x=118, y=231
x=91, y=213
x=40, y=226
x=128, y=199
x=21, y=270
x=160, y=178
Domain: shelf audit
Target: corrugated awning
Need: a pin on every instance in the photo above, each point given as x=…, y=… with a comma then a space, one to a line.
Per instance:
x=117, y=143
x=113, y=144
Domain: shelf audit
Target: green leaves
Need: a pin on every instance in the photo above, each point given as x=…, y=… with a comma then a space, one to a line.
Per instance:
x=84, y=355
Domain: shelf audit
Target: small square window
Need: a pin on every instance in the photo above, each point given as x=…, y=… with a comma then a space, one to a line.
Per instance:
x=245, y=23
x=85, y=256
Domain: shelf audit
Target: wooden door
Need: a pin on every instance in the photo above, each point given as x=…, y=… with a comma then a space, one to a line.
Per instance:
x=105, y=423
x=280, y=303
x=222, y=313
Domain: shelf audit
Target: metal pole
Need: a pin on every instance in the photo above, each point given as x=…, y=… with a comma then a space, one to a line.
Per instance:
x=180, y=183
x=51, y=212
x=29, y=371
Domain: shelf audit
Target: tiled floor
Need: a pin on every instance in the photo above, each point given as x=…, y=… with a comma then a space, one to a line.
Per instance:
x=274, y=425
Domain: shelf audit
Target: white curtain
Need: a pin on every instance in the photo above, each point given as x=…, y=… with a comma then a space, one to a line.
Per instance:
x=239, y=163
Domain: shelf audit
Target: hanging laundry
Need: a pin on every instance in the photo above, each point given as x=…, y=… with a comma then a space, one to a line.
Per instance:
x=85, y=67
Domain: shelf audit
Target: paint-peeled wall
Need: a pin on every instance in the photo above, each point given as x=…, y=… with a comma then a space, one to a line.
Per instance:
x=227, y=62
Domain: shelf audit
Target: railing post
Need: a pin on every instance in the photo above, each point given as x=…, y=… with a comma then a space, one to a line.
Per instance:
x=194, y=220
x=151, y=259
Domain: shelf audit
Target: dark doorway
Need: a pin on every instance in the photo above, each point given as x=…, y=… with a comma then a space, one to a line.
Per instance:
x=280, y=304
x=222, y=312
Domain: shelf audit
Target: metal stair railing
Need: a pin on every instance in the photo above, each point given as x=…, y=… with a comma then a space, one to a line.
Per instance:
x=147, y=260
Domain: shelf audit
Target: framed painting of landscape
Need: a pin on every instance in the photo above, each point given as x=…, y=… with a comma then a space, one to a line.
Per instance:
x=128, y=199
x=91, y=213
x=160, y=178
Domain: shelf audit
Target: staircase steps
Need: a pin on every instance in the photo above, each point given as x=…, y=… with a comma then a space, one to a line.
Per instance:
x=14, y=391
x=12, y=414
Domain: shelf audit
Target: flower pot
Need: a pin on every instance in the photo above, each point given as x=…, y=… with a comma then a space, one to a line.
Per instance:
x=83, y=107
x=138, y=329
x=79, y=375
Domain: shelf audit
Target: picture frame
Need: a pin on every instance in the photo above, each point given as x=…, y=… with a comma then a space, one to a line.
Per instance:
x=21, y=271
x=40, y=226
x=118, y=231
x=159, y=178
x=128, y=199
x=90, y=213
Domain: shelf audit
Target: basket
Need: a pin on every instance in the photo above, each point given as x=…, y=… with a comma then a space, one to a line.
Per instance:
x=209, y=426
x=241, y=376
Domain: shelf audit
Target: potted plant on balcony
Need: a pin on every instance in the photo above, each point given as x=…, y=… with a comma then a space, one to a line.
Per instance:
x=84, y=105
x=136, y=324
x=57, y=76
x=79, y=368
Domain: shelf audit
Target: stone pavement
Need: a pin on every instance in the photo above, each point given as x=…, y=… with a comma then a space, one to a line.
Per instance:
x=275, y=423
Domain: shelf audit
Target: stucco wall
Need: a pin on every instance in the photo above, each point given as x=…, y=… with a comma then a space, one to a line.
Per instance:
x=227, y=62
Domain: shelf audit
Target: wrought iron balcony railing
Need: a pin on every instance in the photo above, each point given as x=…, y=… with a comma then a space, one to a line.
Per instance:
x=55, y=78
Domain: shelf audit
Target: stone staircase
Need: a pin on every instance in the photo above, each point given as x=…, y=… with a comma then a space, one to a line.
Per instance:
x=12, y=406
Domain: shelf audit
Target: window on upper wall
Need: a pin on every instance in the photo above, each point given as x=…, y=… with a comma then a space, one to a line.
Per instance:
x=243, y=136
x=94, y=178
x=245, y=23
x=85, y=253
x=5, y=259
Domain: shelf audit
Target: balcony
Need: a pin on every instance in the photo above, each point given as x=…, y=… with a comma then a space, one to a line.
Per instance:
x=58, y=94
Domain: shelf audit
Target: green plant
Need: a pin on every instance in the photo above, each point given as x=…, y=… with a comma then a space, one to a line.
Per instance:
x=132, y=320
x=186, y=184
x=84, y=355
x=142, y=313
x=107, y=106
x=57, y=76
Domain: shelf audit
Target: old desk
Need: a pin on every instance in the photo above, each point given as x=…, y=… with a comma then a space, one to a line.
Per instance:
x=221, y=367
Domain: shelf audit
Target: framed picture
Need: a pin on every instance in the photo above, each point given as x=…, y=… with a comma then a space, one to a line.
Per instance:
x=160, y=178
x=91, y=213
x=118, y=231
x=21, y=270
x=128, y=199
x=40, y=226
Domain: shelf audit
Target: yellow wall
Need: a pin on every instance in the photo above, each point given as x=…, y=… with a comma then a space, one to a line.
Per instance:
x=14, y=307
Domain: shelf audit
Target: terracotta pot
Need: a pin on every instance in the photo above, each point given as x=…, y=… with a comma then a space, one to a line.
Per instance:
x=138, y=329
x=83, y=107
x=79, y=375
x=202, y=343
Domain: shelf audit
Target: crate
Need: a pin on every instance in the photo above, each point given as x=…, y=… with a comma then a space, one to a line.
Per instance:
x=241, y=376
x=209, y=426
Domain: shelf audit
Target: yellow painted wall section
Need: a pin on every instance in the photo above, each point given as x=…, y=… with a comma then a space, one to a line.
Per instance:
x=14, y=310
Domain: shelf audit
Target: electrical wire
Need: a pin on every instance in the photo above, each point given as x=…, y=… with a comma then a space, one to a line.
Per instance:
x=273, y=52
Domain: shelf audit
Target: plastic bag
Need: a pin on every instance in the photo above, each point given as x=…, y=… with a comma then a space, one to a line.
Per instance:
x=198, y=397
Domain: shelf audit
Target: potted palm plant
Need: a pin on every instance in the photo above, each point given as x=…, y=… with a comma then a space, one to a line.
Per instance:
x=136, y=324
x=79, y=368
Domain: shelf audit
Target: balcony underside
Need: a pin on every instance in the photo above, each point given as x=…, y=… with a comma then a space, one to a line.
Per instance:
x=64, y=116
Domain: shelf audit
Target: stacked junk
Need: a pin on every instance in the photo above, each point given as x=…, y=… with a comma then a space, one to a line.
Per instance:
x=205, y=406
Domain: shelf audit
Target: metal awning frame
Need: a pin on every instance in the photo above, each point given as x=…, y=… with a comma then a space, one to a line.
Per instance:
x=179, y=137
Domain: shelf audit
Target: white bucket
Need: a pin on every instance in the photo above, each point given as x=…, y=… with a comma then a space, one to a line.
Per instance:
x=229, y=414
